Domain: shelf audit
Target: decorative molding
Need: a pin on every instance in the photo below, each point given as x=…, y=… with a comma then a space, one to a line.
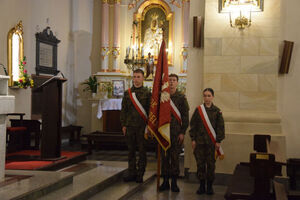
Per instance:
x=47, y=35
x=184, y=53
x=104, y=52
x=115, y=52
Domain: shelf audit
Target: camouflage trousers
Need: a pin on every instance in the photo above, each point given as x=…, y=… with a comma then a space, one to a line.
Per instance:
x=135, y=140
x=170, y=159
x=206, y=163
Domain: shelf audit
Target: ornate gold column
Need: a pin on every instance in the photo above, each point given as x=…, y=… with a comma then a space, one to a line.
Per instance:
x=105, y=37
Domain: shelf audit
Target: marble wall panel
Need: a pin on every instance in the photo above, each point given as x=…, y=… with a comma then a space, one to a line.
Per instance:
x=222, y=64
x=259, y=64
x=269, y=47
x=259, y=101
x=231, y=46
x=250, y=46
x=267, y=82
x=213, y=47
x=227, y=100
x=239, y=82
x=212, y=81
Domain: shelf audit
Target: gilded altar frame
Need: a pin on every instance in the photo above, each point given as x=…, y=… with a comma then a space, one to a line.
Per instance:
x=139, y=16
x=17, y=30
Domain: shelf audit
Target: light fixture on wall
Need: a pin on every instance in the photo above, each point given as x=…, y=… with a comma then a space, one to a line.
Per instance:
x=241, y=21
x=239, y=10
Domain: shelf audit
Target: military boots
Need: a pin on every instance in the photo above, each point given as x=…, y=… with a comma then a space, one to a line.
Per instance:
x=209, y=190
x=165, y=185
x=139, y=178
x=201, y=189
x=174, y=186
x=129, y=178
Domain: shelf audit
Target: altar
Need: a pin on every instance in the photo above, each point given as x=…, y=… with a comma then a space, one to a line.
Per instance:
x=105, y=115
x=108, y=104
x=7, y=105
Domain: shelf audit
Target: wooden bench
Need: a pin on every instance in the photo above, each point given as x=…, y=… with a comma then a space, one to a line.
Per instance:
x=73, y=131
x=32, y=126
x=111, y=140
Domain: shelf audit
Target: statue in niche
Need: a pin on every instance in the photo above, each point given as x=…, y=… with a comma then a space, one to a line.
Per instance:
x=153, y=36
x=150, y=67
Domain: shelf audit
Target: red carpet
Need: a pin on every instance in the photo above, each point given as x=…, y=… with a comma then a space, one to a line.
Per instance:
x=36, y=165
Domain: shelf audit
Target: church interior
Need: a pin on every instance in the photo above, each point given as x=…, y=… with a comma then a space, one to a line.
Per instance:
x=64, y=68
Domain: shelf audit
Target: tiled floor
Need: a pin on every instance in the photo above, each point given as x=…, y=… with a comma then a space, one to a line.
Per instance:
x=187, y=191
x=148, y=191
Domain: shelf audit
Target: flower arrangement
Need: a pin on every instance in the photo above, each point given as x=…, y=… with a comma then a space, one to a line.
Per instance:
x=24, y=79
x=92, y=84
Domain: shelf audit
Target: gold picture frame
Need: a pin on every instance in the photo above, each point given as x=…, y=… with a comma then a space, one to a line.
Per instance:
x=161, y=12
x=224, y=3
x=18, y=31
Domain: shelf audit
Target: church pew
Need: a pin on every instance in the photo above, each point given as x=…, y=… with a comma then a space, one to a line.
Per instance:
x=111, y=140
x=32, y=126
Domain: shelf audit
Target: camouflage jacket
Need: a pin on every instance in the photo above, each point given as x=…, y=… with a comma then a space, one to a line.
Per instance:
x=198, y=132
x=129, y=115
x=182, y=105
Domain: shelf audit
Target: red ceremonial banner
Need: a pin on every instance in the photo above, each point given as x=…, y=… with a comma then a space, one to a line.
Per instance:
x=160, y=110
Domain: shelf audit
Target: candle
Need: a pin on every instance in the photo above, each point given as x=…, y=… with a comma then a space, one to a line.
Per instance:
x=132, y=53
x=127, y=51
x=130, y=40
x=142, y=51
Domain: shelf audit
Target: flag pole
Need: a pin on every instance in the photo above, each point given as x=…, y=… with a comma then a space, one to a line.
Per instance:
x=158, y=167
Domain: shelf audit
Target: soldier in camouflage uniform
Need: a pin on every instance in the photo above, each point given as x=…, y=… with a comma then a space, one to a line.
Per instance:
x=170, y=160
x=133, y=127
x=203, y=147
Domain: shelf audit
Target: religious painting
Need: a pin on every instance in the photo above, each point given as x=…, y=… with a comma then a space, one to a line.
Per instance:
x=152, y=31
x=155, y=24
x=118, y=88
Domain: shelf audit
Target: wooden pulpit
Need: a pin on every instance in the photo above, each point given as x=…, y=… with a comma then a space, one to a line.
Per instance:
x=47, y=102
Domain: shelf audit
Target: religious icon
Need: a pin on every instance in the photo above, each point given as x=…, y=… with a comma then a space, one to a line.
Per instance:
x=155, y=24
x=153, y=36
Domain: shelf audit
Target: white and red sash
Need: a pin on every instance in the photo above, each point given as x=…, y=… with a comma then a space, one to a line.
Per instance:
x=210, y=130
x=175, y=112
x=138, y=106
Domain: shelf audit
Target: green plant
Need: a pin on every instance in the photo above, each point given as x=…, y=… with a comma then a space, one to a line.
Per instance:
x=92, y=84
